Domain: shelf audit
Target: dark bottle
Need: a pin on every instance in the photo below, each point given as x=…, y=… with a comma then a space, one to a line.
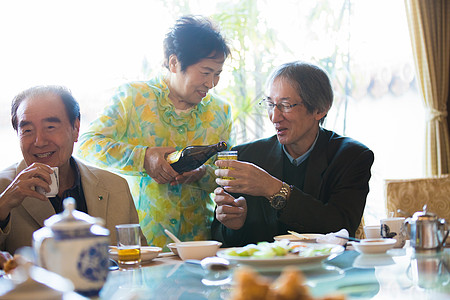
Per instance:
x=192, y=157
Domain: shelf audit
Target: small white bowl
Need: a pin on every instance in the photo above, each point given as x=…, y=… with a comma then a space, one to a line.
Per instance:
x=374, y=246
x=197, y=249
x=173, y=248
x=148, y=253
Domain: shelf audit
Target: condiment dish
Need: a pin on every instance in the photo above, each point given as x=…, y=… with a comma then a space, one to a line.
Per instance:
x=373, y=246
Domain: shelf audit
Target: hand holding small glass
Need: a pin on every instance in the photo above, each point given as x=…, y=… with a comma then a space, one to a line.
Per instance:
x=248, y=178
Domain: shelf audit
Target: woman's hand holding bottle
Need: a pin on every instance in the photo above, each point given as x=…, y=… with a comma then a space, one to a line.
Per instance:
x=165, y=165
x=156, y=165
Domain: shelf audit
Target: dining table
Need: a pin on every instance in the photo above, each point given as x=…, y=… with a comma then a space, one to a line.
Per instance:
x=396, y=274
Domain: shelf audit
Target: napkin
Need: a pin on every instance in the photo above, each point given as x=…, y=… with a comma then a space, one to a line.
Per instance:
x=331, y=238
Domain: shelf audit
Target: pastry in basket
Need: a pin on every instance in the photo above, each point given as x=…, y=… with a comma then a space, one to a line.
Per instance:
x=250, y=285
x=289, y=286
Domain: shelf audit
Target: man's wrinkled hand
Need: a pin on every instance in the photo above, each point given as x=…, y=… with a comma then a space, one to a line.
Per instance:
x=230, y=212
x=24, y=185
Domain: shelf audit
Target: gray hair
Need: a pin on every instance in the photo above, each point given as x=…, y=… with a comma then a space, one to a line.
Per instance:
x=311, y=82
x=71, y=105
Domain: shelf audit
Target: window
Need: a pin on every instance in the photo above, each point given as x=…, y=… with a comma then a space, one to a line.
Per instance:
x=93, y=46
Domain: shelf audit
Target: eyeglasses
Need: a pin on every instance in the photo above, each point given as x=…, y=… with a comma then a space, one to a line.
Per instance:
x=283, y=107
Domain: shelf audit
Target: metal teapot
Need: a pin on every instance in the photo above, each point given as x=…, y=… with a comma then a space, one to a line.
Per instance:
x=427, y=231
x=75, y=246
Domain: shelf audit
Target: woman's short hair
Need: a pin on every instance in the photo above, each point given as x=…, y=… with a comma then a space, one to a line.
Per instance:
x=71, y=105
x=192, y=39
x=311, y=82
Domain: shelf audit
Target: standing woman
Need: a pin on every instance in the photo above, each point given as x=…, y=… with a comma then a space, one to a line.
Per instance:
x=147, y=120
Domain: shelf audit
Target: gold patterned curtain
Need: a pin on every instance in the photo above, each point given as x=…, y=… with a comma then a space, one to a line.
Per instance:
x=429, y=27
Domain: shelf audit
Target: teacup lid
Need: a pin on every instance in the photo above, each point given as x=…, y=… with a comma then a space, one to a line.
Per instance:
x=71, y=218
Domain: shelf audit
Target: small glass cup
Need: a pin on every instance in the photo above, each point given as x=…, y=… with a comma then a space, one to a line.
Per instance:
x=128, y=245
x=227, y=155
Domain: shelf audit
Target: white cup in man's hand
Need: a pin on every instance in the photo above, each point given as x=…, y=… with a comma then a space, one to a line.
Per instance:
x=54, y=186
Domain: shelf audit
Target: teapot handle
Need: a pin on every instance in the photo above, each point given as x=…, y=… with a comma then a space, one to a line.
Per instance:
x=42, y=240
x=442, y=228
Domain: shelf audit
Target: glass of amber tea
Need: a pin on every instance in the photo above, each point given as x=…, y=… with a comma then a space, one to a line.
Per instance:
x=231, y=155
x=128, y=245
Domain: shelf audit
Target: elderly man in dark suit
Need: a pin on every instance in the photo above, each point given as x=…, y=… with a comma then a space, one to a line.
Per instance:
x=305, y=178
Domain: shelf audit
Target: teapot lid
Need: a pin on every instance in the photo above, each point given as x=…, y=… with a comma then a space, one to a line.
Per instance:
x=424, y=215
x=71, y=218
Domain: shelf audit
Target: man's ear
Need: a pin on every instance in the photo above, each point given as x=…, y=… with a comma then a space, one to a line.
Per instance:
x=319, y=115
x=76, y=130
x=173, y=63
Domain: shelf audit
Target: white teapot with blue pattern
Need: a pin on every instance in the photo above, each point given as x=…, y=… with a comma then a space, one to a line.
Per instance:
x=74, y=245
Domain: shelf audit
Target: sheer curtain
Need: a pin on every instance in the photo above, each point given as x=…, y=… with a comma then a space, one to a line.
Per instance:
x=429, y=26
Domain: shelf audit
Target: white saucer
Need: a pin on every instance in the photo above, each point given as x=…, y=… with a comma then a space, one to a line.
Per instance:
x=364, y=261
x=374, y=246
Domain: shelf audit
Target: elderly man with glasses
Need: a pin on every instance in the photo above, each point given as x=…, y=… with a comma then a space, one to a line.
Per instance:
x=305, y=178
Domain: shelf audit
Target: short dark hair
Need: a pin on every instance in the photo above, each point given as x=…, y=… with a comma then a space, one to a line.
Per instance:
x=192, y=39
x=72, y=106
x=311, y=82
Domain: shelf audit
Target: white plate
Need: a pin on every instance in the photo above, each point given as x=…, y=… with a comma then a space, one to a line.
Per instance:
x=374, y=246
x=309, y=237
x=147, y=253
x=289, y=259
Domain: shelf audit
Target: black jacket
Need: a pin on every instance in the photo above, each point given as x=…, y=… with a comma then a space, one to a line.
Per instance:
x=333, y=197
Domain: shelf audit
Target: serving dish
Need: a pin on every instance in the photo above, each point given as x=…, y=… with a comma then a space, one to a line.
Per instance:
x=289, y=259
x=148, y=253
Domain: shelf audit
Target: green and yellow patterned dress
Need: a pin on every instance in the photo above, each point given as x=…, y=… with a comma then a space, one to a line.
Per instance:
x=140, y=116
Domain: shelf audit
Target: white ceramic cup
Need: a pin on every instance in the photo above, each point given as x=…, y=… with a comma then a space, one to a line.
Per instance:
x=394, y=228
x=372, y=231
x=54, y=186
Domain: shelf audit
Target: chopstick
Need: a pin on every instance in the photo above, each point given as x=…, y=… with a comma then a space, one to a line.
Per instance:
x=348, y=238
x=303, y=237
x=296, y=234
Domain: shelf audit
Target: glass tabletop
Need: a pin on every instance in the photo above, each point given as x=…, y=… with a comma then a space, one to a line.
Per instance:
x=397, y=274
